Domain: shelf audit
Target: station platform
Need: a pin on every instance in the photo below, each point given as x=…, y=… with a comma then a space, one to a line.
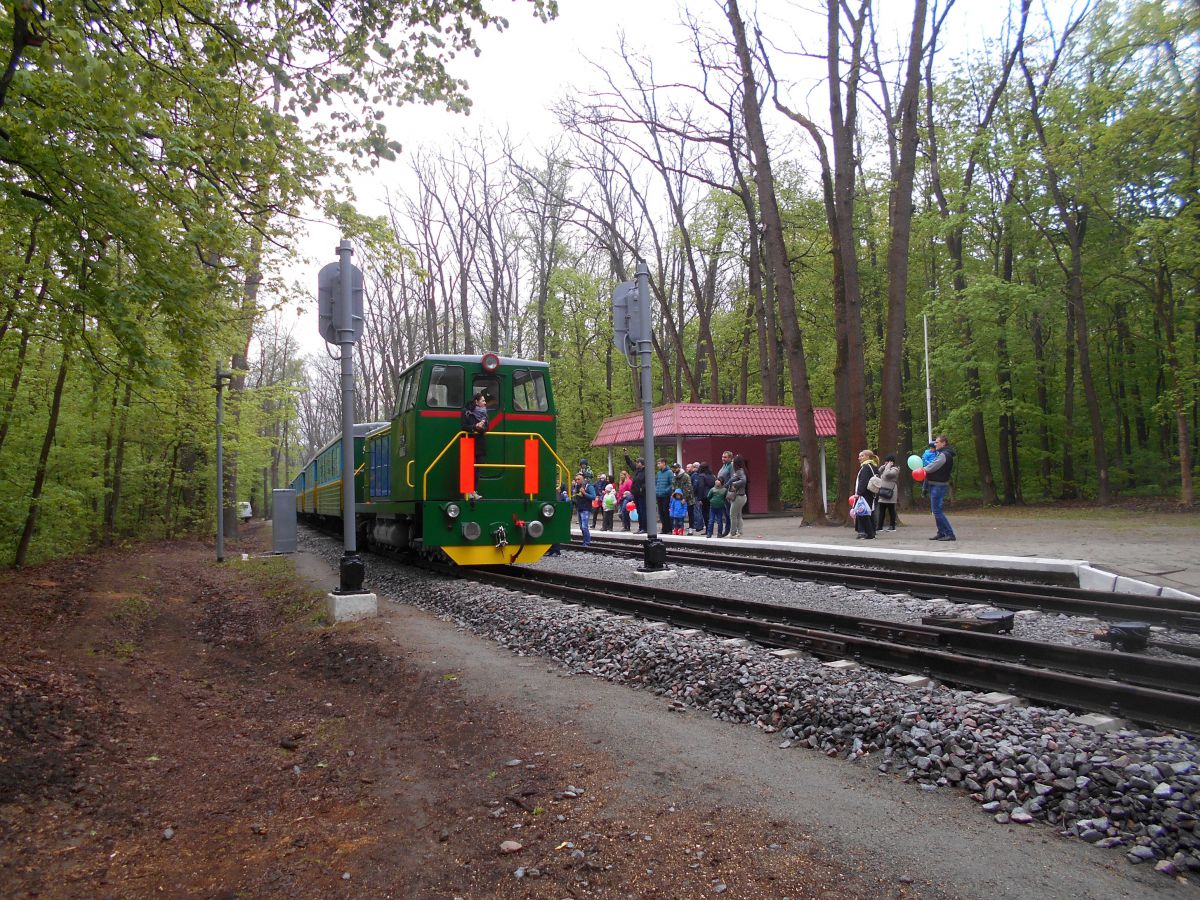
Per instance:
x=1103, y=549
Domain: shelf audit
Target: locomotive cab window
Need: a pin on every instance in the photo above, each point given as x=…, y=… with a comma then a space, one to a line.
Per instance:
x=406, y=394
x=445, y=388
x=529, y=391
x=490, y=385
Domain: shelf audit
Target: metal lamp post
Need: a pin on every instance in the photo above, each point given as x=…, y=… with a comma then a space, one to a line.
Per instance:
x=340, y=303
x=633, y=330
x=223, y=378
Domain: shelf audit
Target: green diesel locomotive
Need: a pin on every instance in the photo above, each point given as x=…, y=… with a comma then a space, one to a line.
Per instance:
x=429, y=482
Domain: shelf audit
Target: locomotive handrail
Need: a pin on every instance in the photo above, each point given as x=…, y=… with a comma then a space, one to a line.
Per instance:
x=462, y=434
x=408, y=473
x=436, y=460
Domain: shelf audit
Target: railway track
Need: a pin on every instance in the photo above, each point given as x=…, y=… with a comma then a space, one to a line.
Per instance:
x=1135, y=686
x=1171, y=612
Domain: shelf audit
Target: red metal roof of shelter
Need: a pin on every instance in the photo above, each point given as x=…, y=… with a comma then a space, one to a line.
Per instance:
x=712, y=419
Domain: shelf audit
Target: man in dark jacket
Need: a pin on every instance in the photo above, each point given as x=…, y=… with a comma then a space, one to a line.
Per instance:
x=639, y=489
x=662, y=493
x=937, y=477
x=583, y=497
x=702, y=482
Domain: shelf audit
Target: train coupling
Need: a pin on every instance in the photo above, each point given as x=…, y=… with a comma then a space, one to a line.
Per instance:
x=500, y=537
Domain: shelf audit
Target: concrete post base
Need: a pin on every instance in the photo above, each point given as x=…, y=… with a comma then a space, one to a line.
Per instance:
x=351, y=607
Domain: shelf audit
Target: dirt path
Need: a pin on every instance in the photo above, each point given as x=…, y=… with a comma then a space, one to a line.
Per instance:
x=171, y=726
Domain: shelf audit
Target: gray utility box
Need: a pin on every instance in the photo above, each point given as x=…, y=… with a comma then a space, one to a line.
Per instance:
x=283, y=525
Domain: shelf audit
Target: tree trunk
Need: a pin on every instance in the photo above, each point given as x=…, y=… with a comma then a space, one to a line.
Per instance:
x=1164, y=311
x=900, y=209
x=39, y=478
x=113, y=500
x=849, y=365
x=1070, y=490
x=1092, y=399
x=18, y=369
x=777, y=261
x=1042, y=372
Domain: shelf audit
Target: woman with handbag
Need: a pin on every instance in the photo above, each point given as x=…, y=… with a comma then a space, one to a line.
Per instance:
x=885, y=497
x=864, y=524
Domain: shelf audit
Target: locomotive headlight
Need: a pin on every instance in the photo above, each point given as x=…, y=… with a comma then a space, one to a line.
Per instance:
x=452, y=510
x=535, y=529
x=547, y=510
x=471, y=530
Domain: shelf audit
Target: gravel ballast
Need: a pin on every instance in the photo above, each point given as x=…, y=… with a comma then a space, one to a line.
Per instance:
x=1138, y=791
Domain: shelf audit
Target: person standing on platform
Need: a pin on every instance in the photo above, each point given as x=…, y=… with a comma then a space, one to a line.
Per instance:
x=598, y=487
x=681, y=481
x=696, y=523
x=718, y=514
x=885, y=497
x=678, y=512
x=583, y=497
x=662, y=493
x=704, y=482
x=638, y=487
x=864, y=523
x=937, y=476
x=609, y=506
x=738, y=485
x=726, y=471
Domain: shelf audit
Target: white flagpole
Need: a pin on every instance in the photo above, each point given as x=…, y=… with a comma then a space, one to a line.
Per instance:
x=928, y=386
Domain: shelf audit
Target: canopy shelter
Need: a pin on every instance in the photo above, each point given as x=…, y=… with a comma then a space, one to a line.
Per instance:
x=702, y=431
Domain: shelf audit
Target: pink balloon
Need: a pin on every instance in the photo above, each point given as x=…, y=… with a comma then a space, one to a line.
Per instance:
x=918, y=474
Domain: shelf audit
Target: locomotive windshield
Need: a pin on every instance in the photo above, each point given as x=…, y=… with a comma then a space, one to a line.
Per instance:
x=529, y=391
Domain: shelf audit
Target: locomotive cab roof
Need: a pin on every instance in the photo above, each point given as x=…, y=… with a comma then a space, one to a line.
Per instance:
x=477, y=360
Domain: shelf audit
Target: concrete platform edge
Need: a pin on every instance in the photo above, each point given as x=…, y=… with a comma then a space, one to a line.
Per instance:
x=1086, y=575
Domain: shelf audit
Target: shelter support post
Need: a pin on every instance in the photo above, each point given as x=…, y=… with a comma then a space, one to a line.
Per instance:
x=824, y=490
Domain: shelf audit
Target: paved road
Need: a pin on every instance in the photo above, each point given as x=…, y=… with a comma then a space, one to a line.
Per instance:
x=1161, y=548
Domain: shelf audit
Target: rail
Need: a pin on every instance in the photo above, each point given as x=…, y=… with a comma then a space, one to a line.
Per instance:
x=1142, y=688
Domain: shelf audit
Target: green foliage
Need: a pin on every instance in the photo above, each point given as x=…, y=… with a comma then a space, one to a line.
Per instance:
x=147, y=156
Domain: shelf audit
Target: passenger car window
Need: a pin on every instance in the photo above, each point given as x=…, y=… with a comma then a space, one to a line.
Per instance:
x=445, y=387
x=529, y=391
